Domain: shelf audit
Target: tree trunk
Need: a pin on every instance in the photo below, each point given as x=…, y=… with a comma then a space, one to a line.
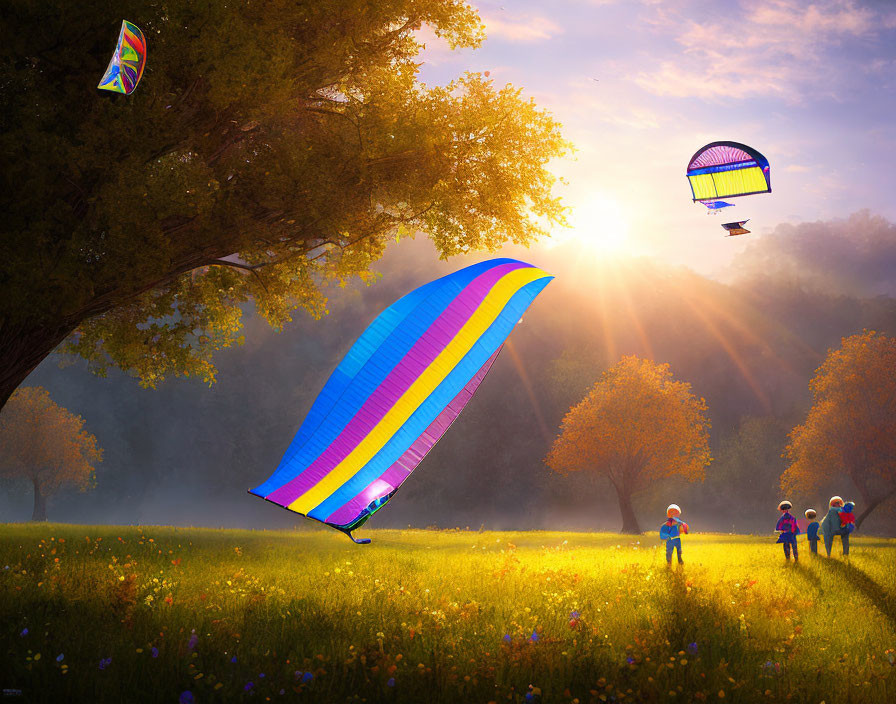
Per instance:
x=629, y=521
x=22, y=348
x=871, y=505
x=40, y=504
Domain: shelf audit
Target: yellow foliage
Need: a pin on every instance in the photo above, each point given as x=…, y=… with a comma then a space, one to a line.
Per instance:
x=636, y=425
x=851, y=427
x=45, y=443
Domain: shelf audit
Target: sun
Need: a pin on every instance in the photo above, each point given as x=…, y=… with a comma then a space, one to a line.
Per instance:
x=597, y=223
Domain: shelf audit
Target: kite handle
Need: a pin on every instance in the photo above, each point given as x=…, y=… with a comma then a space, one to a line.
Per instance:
x=358, y=541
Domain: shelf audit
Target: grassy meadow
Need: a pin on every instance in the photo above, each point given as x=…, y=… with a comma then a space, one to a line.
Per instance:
x=124, y=614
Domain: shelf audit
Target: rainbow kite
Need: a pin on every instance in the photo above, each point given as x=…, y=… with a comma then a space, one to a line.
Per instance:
x=128, y=61
x=395, y=393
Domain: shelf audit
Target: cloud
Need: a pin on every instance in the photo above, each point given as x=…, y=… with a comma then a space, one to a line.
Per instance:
x=521, y=28
x=592, y=103
x=777, y=48
x=854, y=256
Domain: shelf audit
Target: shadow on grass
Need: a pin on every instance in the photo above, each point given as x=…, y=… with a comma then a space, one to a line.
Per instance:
x=867, y=587
x=802, y=570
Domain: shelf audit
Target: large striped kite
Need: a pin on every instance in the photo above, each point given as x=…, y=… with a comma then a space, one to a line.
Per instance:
x=395, y=393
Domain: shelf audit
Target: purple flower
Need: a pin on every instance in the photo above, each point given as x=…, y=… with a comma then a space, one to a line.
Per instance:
x=390, y=682
x=186, y=697
x=261, y=675
x=534, y=637
x=60, y=657
x=248, y=687
x=506, y=637
x=574, y=615
x=692, y=648
x=630, y=660
x=298, y=674
x=233, y=659
x=24, y=632
x=307, y=677
x=105, y=662
x=155, y=652
x=194, y=639
x=282, y=691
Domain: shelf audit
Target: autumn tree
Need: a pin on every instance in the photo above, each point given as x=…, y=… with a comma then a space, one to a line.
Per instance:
x=850, y=431
x=635, y=426
x=272, y=149
x=44, y=443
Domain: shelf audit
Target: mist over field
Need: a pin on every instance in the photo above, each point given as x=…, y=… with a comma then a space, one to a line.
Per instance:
x=185, y=454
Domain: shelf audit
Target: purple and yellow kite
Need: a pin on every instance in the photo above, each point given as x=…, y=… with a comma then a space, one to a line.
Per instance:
x=128, y=61
x=727, y=170
x=395, y=393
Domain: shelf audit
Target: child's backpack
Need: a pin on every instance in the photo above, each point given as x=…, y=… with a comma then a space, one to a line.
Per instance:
x=665, y=532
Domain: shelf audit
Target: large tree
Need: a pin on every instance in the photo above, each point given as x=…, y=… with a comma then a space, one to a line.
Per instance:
x=44, y=443
x=850, y=431
x=637, y=425
x=272, y=148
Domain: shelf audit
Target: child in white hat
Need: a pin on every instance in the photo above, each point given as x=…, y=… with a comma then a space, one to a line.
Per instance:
x=671, y=532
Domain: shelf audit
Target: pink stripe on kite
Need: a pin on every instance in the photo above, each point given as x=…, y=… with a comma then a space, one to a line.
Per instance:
x=393, y=477
x=393, y=387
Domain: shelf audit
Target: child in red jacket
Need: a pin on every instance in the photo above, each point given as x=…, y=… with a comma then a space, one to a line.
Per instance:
x=847, y=517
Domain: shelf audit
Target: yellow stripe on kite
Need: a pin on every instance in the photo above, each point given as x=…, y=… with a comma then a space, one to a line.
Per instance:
x=734, y=183
x=704, y=187
x=723, y=184
x=419, y=391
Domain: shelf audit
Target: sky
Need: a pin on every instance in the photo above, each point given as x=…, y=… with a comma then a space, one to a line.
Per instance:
x=640, y=85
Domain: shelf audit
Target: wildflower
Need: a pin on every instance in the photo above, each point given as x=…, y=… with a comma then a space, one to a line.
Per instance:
x=534, y=637
x=574, y=616
x=60, y=657
x=390, y=682
x=261, y=676
x=307, y=677
x=630, y=660
x=105, y=662
x=186, y=697
x=249, y=686
x=24, y=632
x=891, y=656
x=194, y=639
x=282, y=691
x=155, y=652
x=692, y=648
x=506, y=637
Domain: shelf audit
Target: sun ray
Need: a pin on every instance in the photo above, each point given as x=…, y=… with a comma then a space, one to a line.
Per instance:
x=622, y=291
x=530, y=391
x=730, y=350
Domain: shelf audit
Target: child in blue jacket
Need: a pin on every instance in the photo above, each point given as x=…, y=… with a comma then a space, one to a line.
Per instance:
x=671, y=532
x=812, y=530
x=788, y=529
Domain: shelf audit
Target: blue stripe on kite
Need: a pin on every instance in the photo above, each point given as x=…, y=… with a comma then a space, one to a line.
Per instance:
x=390, y=335
x=435, y=403
x=723, y=167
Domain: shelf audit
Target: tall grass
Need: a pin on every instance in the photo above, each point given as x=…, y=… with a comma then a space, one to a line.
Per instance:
x=108, y=614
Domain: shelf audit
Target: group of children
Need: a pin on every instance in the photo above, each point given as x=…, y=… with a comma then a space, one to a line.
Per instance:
x=840, y=520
